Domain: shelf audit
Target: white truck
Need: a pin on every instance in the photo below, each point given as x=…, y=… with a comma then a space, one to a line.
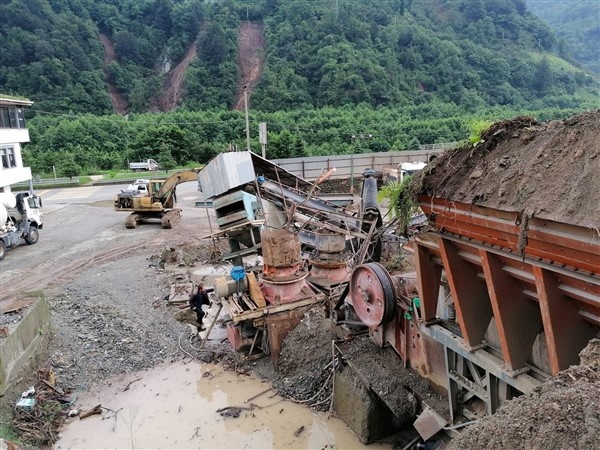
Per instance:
x=149, y=164
x=20, y=218
x=410, y=168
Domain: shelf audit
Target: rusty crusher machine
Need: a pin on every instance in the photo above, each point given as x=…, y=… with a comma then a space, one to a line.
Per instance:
x=484, y=318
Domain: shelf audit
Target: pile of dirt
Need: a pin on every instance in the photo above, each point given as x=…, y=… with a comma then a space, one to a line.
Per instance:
x=562, y=413
x=550, y=170
x=304, y=363
x=339, y=186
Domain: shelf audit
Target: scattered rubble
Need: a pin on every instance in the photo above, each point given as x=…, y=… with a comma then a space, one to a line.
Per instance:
x=304, y=362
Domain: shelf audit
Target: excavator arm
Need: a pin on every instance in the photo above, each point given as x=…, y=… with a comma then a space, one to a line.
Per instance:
x=168, y=186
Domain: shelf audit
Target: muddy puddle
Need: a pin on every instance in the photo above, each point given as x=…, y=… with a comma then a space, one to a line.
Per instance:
x=174, y=406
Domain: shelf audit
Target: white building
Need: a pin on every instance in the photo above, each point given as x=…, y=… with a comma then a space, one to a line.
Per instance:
x=12, y=134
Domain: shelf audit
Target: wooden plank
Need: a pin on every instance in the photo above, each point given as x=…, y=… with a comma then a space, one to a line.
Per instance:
x=248, y=302
x=255, y=293
x=180, y=293
x=232, y=306
x=246, y=315
x=15, y=305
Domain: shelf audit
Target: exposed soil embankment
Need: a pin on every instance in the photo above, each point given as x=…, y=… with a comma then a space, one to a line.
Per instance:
x=173, y=83
x=550, y=170
x=251, y=56
x=120, y=105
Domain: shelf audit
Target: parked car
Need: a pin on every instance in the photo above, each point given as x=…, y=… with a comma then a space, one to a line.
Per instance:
x=139, y=185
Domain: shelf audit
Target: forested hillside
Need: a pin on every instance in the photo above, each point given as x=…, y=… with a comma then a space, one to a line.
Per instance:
x=318, y=53
x=577, y=26
x=402, y=72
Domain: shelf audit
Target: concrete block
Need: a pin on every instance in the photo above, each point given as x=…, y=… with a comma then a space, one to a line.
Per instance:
x=21, y=344
x=364, y=412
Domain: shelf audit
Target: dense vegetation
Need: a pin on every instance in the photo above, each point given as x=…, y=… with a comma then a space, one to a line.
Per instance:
x=577, y=26
x=90, y=143
x=404, y=71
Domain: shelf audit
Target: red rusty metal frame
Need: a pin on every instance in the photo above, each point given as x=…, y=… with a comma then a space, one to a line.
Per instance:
x=518, y=319
x=554, y=285
x=559, y=243
x=567, y=332
x=473, y=309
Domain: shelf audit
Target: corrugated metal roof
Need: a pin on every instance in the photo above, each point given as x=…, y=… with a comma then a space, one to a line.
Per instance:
x=272, y=171
x=230, y=170
x=7, y=101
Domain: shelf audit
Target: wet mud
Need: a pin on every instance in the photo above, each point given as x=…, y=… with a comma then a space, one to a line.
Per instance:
x=176, y=406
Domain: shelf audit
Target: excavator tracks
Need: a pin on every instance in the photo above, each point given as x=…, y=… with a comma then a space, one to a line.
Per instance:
x=171, y=218
x=132, y=220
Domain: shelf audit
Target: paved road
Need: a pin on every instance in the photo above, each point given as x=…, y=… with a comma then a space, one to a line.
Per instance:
x=186, y=193
x=82, y=230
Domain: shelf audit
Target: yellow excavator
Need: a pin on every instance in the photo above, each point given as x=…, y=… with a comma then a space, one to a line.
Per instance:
x=156, y=202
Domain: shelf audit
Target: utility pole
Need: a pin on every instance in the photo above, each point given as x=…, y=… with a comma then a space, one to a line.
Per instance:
x=247, y=119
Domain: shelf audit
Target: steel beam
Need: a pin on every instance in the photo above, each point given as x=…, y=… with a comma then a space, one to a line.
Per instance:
x=429, y=279
x=522, y=382
x=518, y=319
x=567, y=332
x=470, y=295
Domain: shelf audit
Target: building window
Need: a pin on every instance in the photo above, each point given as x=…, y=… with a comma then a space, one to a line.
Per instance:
x=4, y=118
x=8, y=157
x=12, y=117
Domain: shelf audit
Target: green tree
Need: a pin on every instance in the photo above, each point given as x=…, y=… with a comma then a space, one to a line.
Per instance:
x=69, y=167
x=152, y=140
x=542, y=77
x=165, y=159
x=212, y=46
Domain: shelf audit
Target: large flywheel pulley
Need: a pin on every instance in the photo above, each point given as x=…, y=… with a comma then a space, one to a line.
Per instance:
x=373, y=295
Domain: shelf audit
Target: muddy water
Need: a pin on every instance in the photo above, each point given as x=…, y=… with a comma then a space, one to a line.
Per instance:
x=174, y=406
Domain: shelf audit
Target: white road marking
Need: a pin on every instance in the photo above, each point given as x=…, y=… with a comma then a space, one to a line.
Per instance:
x=81, y=192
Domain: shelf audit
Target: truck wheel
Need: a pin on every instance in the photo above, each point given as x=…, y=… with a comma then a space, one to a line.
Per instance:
x=2, y=250
x=32, y=236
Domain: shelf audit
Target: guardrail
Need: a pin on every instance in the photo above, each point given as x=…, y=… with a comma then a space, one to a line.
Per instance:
x=64, y=181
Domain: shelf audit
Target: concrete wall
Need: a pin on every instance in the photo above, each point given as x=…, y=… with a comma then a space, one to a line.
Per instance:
x=21, y=344
x=310, y=168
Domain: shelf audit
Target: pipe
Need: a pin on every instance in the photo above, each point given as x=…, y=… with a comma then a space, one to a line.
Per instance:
x=460, y=425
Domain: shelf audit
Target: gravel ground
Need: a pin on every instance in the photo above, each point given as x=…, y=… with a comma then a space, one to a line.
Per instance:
x=112, y=320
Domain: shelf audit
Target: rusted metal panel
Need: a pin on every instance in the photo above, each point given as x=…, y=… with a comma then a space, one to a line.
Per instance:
x=558, y=243
x=429, y=280
x=281, y=248
x=282, y=280
x=564, y=243
x=567, y=332
x=518, y=319
x=470, y=295
x=234, y=335
x=569, y=304
x=483, y=224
